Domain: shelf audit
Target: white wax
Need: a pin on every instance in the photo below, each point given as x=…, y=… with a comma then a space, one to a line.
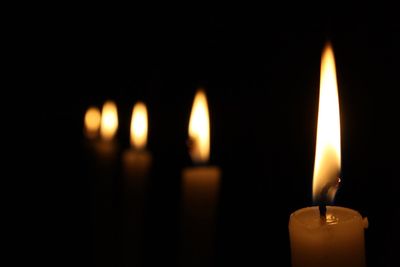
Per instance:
x=200, y=190
x=136, y=163
x=337, y=242
x=104, y=177
x=106, y=151
x=200, y=187
x=136, y=166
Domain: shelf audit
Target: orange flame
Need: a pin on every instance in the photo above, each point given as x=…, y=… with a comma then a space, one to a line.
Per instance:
x=327, y=155
x=92, y=122
x=199, y=129
x=109, y=120
x=139, y=126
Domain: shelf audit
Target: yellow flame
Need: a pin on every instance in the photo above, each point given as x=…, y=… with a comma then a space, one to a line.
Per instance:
x=109, y=120
x=92, y=122
x=139, y=126
x=199, y=129
x=327, y=155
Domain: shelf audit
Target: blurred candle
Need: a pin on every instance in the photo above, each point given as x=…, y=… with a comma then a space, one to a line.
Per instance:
x=107, y=145
x=106, y=184
x=103, y=148
x=91, y=128
x=136, y=166
x=137, y=159
x=200, y=187
x=92, y=123
x=337, y=237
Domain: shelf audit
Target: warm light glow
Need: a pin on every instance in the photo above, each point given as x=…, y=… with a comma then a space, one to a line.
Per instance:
x=92, y=122
x=199, y=129
x=327, y=155
x=139, y=126
x=109, y=120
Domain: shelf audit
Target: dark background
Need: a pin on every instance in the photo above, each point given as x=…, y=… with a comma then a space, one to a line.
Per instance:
x=261, y=74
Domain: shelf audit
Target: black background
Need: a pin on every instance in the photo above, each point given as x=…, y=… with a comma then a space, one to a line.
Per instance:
x=260, y=70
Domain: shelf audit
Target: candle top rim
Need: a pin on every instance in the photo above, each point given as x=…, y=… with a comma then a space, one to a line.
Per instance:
x=208, y=170
x=310, y=217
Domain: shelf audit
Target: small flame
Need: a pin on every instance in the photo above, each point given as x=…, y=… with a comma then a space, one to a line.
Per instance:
x=199, y=129
x=92, y=122
x=109, y=120
x=327, y=155
x=139, y=126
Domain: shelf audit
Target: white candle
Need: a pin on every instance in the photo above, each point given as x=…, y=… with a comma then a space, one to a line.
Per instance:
x=136, y=166
x=337, y=242
x=200, y=193
x=337, y=237
x=200, y=187
x=137, y=159
x=92, y=122
x=102, y=151
x=91, y=131
x=106, y=147
x=105, y=175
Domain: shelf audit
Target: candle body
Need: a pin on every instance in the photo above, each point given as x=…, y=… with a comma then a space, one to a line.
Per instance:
x=136, y=167
x=136, y=164
x=337, y=242
x=105, y=171
x=200, y=187
x=105, y=201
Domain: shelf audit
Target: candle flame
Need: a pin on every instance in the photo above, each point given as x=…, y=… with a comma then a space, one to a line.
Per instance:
x=327, y=155
x=109, y=120
x=92, y=122
x=199, y=129
x=139, y=126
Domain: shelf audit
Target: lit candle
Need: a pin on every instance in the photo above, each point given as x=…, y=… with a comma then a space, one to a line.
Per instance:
x=200, y=190
x=327, y=235
x=105, y=186
x=103, y=150
x=91, y=129
x=136, y=165
x=106, y=147
x=92, y=123
x=137, y=159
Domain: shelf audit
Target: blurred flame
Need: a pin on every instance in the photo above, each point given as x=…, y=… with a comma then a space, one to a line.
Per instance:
x=327, y=155
x=199, y=129
x=92, y=122
x=139, y=126
x=109, y=120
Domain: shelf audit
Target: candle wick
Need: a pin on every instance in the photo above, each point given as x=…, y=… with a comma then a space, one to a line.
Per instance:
x=322, y=202
x=327, y=193
x=322, y=212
